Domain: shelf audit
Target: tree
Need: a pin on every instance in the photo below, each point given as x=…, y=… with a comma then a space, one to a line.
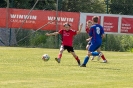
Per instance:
x=2, y=3
x=90, y=6
x=124, y=7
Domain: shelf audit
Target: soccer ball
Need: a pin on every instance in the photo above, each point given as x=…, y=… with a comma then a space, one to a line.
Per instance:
x=45, y=57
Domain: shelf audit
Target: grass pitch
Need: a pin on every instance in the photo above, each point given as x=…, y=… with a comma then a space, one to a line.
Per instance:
x=24, y=68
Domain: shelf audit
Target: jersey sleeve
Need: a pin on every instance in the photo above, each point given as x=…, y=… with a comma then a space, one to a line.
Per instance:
x=102, y=30
x=74, y=32
x=87, y=30
x=60, y=31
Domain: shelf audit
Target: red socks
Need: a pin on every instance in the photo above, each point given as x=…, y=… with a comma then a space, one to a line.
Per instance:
x=77, y=58
x=103, y=57
x=59, y=56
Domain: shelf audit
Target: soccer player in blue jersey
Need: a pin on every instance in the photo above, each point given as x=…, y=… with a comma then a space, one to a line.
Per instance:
x=89, y=24
x=96, y=33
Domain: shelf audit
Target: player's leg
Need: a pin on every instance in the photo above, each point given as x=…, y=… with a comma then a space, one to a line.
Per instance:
x=91, y=50
x=95, y=53
x=86, y=59
x=76, y=57
x=87, y=46
x=71, y=50
x=60, y=54
x=101, y=55
x=92, y=57
x=61, y=51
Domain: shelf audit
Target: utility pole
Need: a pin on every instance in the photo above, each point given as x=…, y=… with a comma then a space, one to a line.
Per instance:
x=10, y=34
x=107, y=11
x=56, y=38
x=58, y=8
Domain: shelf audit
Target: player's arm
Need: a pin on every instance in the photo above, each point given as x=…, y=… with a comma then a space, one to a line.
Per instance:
x=50, y=34
x=88, y=39
x=103, y=35
x=80, y=28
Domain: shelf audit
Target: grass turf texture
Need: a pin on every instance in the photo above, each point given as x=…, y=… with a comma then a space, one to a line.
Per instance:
x=24, y=68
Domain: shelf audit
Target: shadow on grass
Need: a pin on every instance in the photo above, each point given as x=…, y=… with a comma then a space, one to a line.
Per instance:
x=61, y=65
x=110, y=68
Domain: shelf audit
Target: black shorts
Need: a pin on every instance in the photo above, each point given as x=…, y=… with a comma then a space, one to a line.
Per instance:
x=68, y=48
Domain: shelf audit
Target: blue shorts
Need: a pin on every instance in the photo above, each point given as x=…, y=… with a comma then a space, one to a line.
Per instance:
x=94, y=47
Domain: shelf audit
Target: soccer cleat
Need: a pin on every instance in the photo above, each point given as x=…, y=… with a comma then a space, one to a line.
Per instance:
x=57, y=59
x=104, y=61
x=78, y=62
x=92, y=58
x=99, y=56
x=83, y=65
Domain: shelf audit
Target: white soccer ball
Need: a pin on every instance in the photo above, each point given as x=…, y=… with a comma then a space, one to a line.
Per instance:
x=45, y=57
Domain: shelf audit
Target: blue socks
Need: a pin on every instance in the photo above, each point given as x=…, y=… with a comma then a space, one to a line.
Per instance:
x=95, y=53
x=86, y=59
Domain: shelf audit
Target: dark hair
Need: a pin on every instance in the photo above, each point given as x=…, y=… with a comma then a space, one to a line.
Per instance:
x=66, y=24
x=95, y=19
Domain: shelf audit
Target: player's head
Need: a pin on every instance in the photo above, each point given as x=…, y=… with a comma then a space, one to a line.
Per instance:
x=67, y=26
x=95, y=19
x=89, y=23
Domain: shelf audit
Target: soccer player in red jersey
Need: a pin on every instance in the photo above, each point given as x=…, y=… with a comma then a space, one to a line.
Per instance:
x=67, y=40
x=88, y=25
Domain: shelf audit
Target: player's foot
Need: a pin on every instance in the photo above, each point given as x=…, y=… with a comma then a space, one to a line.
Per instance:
x=57, y=59
x=99, y=56
x=104, y=61
x=83, y=65
x=78, y=62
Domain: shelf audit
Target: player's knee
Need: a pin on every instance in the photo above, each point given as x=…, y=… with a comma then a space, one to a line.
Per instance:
x=61, y=50
x=89, y=53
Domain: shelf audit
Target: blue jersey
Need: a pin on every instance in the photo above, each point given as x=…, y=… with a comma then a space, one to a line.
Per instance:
x=96, y=32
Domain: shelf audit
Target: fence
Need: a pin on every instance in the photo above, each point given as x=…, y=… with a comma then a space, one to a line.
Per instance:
x=30, y=38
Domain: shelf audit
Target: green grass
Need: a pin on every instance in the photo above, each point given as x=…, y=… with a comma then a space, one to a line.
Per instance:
x=24, y=68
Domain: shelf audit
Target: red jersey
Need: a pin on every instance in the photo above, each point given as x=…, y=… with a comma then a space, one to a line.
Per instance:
x=67, y=36
x=87, y=30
